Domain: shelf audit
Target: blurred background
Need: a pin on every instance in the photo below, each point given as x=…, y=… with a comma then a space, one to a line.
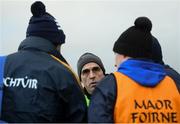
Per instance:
x=94, y=26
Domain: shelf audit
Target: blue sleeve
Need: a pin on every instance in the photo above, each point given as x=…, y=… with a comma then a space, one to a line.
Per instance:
x=102, y=102
x=2, y=63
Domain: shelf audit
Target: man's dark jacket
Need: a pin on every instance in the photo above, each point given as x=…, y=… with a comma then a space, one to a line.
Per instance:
x=38, y=88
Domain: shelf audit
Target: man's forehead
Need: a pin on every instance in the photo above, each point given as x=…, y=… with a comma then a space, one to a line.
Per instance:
x=90, y=65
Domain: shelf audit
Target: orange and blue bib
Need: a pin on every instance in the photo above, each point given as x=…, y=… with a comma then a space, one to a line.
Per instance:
x=136, y=103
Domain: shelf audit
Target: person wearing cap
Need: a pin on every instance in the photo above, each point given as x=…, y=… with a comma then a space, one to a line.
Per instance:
x=139, y=91
x=39, y=84
x=90, y=71
x=157, y=57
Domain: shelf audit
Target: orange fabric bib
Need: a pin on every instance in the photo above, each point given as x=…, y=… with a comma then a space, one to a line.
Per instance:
x=136, y=103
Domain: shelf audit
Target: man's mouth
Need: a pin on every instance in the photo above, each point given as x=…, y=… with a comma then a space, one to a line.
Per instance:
x=93, y=84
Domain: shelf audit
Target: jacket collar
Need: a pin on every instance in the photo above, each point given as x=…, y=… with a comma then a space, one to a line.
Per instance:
x=40, y=44
x=87, y=94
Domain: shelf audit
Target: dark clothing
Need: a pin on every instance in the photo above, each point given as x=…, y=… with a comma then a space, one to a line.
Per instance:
x=37, y=88
x=174, y=75
x=105, y=96
x=103, y=99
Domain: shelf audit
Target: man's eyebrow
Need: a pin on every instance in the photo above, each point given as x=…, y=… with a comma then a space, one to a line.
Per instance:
x=91, y=68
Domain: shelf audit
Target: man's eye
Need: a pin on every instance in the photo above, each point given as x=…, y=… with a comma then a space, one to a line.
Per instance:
x=86, y=71
x=95, y=69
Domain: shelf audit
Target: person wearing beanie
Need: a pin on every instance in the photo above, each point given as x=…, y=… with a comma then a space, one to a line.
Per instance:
x=157, y=57
x=139, y=91
x=90, y=71
x=39, y=84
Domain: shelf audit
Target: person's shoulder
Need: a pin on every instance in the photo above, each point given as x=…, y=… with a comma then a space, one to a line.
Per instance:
x=107, y=84
x=108, y=79
x=64, y=71
x=171, y=71
x=174, y=75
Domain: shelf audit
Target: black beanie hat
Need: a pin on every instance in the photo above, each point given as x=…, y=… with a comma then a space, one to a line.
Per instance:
x=156, y=51
x=136, y=41
x=87, y=58
x=44, y=25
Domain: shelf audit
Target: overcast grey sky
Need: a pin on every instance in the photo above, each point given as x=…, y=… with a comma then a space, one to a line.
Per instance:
x=94, y=25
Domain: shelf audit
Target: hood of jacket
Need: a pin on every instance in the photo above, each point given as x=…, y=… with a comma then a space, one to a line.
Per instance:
x=144, y=72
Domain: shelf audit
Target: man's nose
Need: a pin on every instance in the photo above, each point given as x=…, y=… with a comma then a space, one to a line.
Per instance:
x=91, y=75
